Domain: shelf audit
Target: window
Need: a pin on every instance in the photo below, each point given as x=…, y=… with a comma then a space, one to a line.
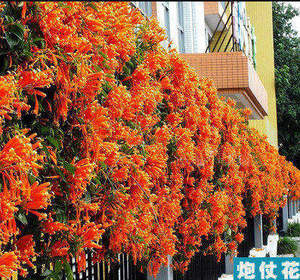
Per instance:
x=144, y=6
x=167, y=18
x=180, y=27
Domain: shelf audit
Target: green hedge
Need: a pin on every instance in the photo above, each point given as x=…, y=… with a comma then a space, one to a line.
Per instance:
x=287, y=246
x=293, y=230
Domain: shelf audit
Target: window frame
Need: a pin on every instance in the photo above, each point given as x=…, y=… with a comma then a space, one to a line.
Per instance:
x=166, y=6
x=144, y=6
x=180, y=27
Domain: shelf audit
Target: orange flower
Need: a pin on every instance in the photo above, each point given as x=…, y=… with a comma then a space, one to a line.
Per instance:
x=239, y=237
x=8, y=264
x=52, y=227
x=25, y=246
x=60, y=249
x=39, y=197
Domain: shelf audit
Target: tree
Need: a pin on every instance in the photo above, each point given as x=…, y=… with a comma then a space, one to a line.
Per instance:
x=287, y=62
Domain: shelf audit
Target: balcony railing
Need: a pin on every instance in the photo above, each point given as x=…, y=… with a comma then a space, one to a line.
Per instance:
x=233, y=31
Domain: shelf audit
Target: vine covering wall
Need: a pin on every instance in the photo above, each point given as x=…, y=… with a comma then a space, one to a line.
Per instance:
x=111, y=143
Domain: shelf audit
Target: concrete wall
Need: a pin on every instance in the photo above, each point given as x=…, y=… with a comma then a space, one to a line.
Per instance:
x=260, y=14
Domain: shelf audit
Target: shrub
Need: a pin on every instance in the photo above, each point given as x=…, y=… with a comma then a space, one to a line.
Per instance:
x=293, y=230
x=287, y=246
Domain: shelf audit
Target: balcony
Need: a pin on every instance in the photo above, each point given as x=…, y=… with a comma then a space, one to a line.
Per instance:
x=232, y=28
x=234, y=77
x=230, y=57
x=213, y=11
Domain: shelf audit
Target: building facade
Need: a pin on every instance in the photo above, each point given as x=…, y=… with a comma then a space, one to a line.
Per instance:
x=230, y=42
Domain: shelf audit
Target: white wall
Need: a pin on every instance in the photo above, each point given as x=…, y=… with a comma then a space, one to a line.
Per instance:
x=194, y=25
x=198, y=27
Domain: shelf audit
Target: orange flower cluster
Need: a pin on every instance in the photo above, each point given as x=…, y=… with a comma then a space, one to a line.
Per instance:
x=134, y=152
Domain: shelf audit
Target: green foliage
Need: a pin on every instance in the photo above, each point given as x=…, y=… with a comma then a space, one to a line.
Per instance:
x=287, y=61
x=293, y=230
x=57, y=274
x=15, y=41
x=287, y=246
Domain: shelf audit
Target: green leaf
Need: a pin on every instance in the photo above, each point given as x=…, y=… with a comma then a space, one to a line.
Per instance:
x=61, y=216
x=46, y=273
x=92, y=6
x=98, y=68
x=58, y=266
x=88, y=197
x=96, y=179
x=11, y=40
x=68, y=270
x=4, y=52
x=53, y=141
x=14, y=35
x=102, y=164
x=39, y=40
x=45, y=130
x=27, y=54
x=60, y=173
x=287, y=82
x=9, y=19
x=70, y=167
x=31, y=178
x=54, y=276
x=19, y=28
x=22, y=218
x=45, y=149
x=64, y=5
x=102, y=54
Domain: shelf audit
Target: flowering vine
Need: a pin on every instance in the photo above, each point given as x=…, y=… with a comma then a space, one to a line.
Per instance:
x=111, y=143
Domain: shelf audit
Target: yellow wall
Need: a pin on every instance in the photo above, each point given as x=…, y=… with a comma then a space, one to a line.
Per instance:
x=260, y=14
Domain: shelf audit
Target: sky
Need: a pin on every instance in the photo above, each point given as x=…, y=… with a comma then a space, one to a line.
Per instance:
x=296, y=20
